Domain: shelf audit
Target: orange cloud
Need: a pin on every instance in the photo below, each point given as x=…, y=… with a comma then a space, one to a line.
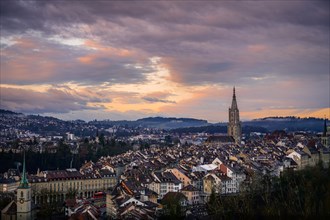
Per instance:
x=318, y=113
x=100, y=51
x=25, y=43
x=20, y=68
x=212, y=103
x=108, y=49
x=257, y=48
x=86, y=59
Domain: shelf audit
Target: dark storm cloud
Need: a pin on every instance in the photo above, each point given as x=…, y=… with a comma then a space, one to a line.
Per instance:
x=22, y=14
x=45, y=15
x=52, y=100
x=153, y=100
x=198, y=71
x=32, y=60
x=226, y=42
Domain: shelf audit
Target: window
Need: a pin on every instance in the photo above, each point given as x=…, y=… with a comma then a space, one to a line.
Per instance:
x=22, y=194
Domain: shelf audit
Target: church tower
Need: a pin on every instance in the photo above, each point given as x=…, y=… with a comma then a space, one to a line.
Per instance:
x=24, y=197
x=325, y=139
x=234, y=124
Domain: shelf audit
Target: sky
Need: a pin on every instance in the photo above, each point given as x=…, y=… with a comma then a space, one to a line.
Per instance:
x=132, y=59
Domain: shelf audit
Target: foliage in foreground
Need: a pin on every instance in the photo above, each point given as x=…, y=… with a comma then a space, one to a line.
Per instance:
x=302, y=194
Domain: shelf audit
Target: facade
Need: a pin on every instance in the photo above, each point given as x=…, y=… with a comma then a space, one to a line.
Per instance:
x=325, y=157
x=154, y=186
x=192, y=194
x=236, y=178
x=167, y=183
x=234, y=124
x=180, y=175
x=8, y=185
x=56, y=185
x=308, y=157
x=197, y=180
x=211, y=182
x=228, y=185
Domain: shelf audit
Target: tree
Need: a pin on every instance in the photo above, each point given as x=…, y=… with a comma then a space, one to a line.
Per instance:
x=302, y=194
x=102, y=139
x=213, y=204
x=71, y=194
x=63, y=155
x=172, y=208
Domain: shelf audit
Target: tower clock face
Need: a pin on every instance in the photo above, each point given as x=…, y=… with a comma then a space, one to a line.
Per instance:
x=21, y=200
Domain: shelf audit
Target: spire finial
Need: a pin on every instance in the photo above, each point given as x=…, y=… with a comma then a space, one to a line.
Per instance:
x=234, y=103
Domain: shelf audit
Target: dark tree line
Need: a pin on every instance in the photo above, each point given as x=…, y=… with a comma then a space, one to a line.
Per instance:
x=212, y=129
x=301, y=194
x=63, y=158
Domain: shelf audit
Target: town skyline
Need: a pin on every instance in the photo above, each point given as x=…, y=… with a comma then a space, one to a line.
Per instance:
x=78, y=60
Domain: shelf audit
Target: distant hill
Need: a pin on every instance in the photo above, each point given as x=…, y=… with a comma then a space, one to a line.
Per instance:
x=184, y=125
x=156, y=122
x=263, y=125
x=171, y=123
x=288, y=123
x=2, y=111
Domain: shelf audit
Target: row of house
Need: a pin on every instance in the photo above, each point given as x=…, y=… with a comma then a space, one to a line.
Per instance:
x=56, y=185
x=140, y=180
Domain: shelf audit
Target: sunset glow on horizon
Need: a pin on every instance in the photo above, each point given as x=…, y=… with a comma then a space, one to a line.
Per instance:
x=118, y=60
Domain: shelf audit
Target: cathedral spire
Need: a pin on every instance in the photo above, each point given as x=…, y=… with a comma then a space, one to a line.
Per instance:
x=234, y=102
x=24, y=183
x=234, y=124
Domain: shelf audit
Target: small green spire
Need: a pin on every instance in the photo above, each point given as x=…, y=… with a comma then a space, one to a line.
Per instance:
x=24, y=183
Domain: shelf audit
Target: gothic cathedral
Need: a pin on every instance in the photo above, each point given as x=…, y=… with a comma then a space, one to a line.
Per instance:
x=234, y=124
x=24, y=197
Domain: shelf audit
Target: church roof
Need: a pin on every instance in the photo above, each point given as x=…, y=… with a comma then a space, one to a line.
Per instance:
x=220, y=139
x=189, y=188
x=10, y=209
x=234, y=102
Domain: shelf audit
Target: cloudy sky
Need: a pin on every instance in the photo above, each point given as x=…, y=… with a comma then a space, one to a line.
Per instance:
x=133, y=59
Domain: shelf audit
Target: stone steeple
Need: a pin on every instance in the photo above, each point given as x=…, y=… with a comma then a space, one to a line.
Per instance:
x=234, y=124
x=234, y=102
